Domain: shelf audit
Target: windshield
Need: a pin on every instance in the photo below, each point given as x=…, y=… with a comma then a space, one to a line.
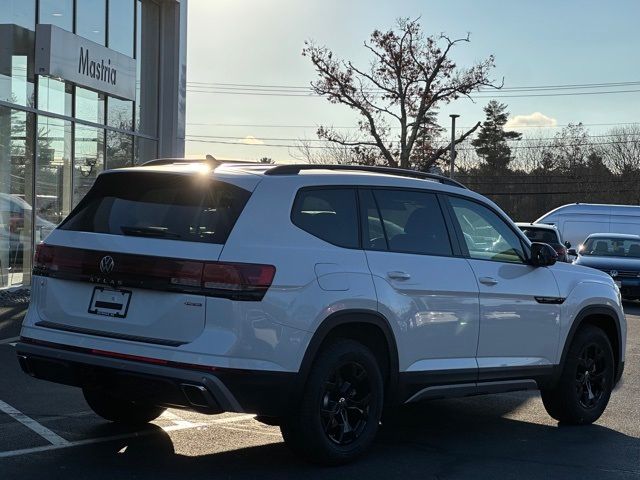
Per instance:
x=543, y=235
x=611, y=247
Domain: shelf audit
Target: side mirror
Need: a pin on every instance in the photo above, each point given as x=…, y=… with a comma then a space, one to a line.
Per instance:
x=573, y=252
x=542, y=255
x=567, y=244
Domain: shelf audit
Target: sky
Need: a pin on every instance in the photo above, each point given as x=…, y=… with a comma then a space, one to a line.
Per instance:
x=537, y=43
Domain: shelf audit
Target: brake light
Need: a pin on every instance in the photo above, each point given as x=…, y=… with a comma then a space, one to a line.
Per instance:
x=237, y=281
x=237, y=276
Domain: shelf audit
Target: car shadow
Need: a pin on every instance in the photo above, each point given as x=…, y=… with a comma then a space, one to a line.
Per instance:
x=464, y=438
x=11, y=319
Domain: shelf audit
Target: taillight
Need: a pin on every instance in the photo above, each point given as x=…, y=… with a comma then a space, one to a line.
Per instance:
x=249, y=278
x=43, y=256
x=236, y=281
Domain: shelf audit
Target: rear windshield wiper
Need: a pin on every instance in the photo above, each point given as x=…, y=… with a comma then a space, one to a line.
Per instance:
x=162, y=232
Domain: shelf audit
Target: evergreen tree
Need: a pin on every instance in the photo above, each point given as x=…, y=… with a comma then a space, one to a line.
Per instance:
x=491, y=142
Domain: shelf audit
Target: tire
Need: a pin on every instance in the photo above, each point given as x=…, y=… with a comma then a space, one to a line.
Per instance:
x=119, y=410
x=584, y=388
x=337, y=418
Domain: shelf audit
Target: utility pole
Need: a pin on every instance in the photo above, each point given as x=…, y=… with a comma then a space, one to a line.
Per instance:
x=453, y=144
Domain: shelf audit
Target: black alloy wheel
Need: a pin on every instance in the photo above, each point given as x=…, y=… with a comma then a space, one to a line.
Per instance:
x=337, y=417
x=346, y=401
x=587, y=377
x=591, y=375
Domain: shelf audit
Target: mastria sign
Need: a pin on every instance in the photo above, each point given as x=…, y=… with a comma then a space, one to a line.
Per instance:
x=62, y=54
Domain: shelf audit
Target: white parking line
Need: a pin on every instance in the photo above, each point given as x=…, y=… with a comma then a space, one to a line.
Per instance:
x=11, y=341
x=90, y=441
x=53, y=438
x=176, y=419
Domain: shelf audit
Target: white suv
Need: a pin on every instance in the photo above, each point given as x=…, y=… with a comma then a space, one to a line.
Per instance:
x=313, y=296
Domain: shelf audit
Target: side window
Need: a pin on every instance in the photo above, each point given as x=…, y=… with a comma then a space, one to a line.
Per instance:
x=329, y=214
x=486, y=235
x=413, y=222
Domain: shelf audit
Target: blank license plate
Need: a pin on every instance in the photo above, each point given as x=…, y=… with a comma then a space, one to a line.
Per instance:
x=618, y=283
x=112, y=303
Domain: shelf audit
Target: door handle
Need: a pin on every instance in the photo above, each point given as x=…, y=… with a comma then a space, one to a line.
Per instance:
x=399, y=275
x=488, y=281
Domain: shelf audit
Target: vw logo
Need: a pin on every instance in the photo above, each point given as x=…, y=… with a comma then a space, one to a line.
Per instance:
x=613, y=273
x=106, y=264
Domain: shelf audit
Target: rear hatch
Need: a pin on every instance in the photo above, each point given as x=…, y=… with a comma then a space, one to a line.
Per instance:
x=137, y=257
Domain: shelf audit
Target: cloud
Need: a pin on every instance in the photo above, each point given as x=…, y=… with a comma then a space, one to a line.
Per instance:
x=251, y=140
x=535, y=119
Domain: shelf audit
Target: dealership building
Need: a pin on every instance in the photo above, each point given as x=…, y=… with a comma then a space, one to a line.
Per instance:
x=85, y=85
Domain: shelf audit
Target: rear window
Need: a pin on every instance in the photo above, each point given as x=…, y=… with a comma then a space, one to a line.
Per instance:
x=168, y=206
x=543, y=235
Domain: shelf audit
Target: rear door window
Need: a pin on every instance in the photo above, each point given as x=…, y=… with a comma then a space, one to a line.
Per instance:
x=412, y=222
x=329, y=214
x=159, y=205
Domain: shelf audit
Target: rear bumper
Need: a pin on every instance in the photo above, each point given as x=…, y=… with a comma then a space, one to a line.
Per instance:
x=220, y=390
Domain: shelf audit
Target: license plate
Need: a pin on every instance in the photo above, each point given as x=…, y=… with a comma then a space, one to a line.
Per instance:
x=112, y=303
x=618, y=283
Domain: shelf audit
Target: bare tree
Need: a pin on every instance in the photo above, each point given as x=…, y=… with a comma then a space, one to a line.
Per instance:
x=326, y=152
x=623, y=150
x=409, y=77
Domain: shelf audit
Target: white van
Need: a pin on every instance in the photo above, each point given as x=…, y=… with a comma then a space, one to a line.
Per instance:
x=576, y=221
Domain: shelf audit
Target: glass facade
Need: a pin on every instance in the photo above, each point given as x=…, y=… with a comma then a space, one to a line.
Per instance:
x=56, y=137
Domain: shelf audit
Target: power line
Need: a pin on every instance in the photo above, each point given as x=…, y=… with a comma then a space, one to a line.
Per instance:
x=314, y=95
x=573, y=86
x=521, y=147
x=258, y=125
x=289, y=139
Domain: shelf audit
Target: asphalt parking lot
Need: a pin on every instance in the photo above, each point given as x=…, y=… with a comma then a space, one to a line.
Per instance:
x=48, y=432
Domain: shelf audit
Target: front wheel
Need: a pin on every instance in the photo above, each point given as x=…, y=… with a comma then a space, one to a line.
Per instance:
x=338, y=416
x=118, y=410
x=586, y=381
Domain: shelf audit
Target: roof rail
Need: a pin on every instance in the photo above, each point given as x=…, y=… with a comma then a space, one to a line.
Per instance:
x=401, y=172
x=210, y=160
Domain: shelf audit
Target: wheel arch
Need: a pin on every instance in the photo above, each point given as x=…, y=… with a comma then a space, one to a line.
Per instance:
x=366, y=326
x=605, y=318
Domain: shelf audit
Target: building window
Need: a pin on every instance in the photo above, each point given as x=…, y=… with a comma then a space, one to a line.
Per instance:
x=120, y=113
x=53, y=169
x=147, y=53
x=89, y=105
x=119, y=150
x=121, y=20
x=58, y=13
x=17, y=46
x=91, y=20
x=55, y=96
x=16, y=197
x=88, y=159
x=19, y=12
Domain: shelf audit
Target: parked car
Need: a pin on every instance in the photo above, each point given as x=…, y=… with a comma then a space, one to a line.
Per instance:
x=15, y=214
x=615, y=254
x=312, y=296
x=576, y=221
x=545, y=233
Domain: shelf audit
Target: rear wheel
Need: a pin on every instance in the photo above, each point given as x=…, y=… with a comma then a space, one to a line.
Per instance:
x=338, y=416
x=586, y=381
x=119, y=410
